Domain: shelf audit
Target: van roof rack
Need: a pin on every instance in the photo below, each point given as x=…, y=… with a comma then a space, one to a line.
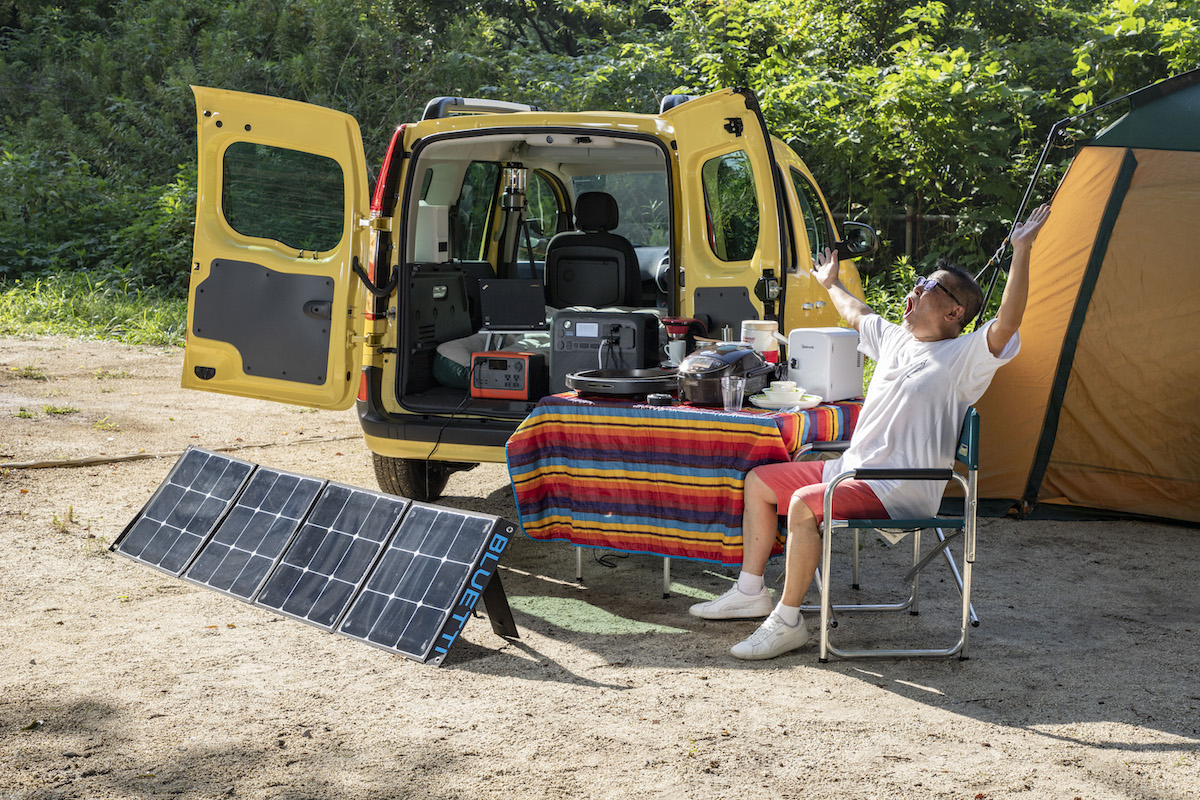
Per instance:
x=441, y=107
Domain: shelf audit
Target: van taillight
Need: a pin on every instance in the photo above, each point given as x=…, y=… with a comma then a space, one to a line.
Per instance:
x=385, y=178
x=362, y=387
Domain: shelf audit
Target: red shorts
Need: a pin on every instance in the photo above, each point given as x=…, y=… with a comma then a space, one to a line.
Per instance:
x=803, y=480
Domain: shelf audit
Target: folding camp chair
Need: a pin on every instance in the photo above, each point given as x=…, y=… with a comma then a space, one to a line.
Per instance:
x=964, y=526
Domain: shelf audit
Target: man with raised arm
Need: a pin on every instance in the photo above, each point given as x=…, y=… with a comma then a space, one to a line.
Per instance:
x=926, y=377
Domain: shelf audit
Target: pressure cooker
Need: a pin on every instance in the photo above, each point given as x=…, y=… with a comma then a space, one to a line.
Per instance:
x=701, y=371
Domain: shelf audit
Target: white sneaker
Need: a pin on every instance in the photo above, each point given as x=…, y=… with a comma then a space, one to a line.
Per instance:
x=773, y=638
x=735, y=604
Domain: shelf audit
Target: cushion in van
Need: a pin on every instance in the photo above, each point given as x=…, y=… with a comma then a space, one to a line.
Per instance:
x=452, y=361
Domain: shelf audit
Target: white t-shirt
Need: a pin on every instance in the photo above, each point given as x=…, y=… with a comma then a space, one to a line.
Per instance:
x=914, y=408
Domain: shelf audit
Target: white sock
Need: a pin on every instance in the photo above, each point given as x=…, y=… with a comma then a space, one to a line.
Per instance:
x=749, y=584
x=789, y=614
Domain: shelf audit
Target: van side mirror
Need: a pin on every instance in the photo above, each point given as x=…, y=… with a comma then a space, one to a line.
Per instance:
x=859, y=239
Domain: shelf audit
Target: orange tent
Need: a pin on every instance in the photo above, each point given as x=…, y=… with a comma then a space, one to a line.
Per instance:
x=1100, y=408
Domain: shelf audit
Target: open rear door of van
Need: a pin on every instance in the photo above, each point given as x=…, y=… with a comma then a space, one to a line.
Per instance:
x=731, y=206
x=281, y=224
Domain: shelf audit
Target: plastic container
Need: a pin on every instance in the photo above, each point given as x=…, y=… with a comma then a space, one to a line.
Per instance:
x=761, y=335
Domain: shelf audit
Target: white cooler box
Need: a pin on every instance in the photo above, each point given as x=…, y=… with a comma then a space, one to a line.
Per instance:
x=826, y=362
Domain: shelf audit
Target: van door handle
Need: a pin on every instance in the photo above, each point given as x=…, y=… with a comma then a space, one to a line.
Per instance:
x=318, y=309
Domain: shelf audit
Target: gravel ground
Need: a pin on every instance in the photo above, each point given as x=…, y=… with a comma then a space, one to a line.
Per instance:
x=117, y=681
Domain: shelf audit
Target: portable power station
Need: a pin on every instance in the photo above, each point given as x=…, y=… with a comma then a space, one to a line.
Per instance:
x=508, y=375
x=587, y=340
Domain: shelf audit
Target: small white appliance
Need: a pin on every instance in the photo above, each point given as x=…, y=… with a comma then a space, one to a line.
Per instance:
x=826, y=362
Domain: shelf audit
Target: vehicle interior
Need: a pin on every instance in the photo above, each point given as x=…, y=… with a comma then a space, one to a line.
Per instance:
x=507, y=233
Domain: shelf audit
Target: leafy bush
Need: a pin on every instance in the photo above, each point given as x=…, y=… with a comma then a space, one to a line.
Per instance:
x=932, y=108
x=154, y=250
x=54, y=211
x=885, y=291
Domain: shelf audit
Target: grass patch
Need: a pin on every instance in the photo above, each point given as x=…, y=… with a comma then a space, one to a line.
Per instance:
x=30, y=372
x=61, y=524
x=83, y=306
x=24, y=413
x=106, y=424
x=60, y=410
x=108, y=374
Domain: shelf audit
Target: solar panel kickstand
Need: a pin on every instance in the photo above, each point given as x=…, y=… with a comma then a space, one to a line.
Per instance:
x=498, y=611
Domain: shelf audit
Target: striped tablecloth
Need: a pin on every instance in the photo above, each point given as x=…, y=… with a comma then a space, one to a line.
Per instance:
x=666, y=480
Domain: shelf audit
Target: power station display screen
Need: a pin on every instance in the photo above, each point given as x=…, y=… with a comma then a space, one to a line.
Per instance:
x=587, y=329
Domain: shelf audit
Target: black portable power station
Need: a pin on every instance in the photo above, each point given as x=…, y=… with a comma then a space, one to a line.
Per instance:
x=587, y=340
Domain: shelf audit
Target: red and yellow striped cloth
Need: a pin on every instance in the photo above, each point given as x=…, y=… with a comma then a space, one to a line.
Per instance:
x=665, y=480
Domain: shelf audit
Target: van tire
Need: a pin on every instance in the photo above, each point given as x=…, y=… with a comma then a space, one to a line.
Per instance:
x=415, y=479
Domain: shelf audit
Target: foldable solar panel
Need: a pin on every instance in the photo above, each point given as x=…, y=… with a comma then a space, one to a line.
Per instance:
x=399, y=575
x=184, y=511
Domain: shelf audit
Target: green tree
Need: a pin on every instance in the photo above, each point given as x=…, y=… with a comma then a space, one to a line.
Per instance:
x=938, y=106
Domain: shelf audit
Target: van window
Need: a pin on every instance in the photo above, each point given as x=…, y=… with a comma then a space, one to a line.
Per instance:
x=295, y=198
x=731, y=201
x=816, y=224
x=474, y=210
x=642, y=205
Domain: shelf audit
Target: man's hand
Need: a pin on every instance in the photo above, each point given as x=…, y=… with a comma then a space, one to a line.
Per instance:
x=825, y=270
x=825, y=267
x=1016, y=288
x=1024, y=233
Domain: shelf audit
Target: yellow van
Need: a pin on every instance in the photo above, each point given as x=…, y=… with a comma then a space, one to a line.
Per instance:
x=431, y=300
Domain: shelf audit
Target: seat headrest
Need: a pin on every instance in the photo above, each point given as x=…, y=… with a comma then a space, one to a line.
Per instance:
x=596, y=211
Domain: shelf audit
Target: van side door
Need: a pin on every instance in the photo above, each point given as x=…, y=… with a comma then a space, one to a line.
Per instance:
x=731, y=250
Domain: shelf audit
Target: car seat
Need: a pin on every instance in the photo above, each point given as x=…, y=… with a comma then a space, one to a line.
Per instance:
x=591, y=266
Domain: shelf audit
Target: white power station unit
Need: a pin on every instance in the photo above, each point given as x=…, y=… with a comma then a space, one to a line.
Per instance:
x=826, y=362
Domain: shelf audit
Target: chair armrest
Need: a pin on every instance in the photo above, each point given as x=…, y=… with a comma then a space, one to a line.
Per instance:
x=903, y=474
x=839, y=446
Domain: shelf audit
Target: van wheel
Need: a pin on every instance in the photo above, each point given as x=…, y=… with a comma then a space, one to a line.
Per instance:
x=413, y=478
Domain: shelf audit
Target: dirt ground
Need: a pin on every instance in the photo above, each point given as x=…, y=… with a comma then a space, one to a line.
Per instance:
x=117, y=681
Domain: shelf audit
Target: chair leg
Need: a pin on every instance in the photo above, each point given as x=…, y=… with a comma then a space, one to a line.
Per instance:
x=968, y=612
x=916, y=579
x=958, y=578
x=828, y=608
x=854, y=584
x=826, y=559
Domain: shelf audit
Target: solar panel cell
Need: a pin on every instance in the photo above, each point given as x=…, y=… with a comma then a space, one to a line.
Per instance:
x=419, y=633
x=184, y=511
x=255, y=532
x=331, y=599
x=321, y=571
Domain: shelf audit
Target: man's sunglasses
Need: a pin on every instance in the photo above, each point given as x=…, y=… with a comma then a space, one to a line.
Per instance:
x=929, y=284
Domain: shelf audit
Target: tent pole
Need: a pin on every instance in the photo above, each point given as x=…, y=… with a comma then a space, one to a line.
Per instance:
x=1056, y=130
